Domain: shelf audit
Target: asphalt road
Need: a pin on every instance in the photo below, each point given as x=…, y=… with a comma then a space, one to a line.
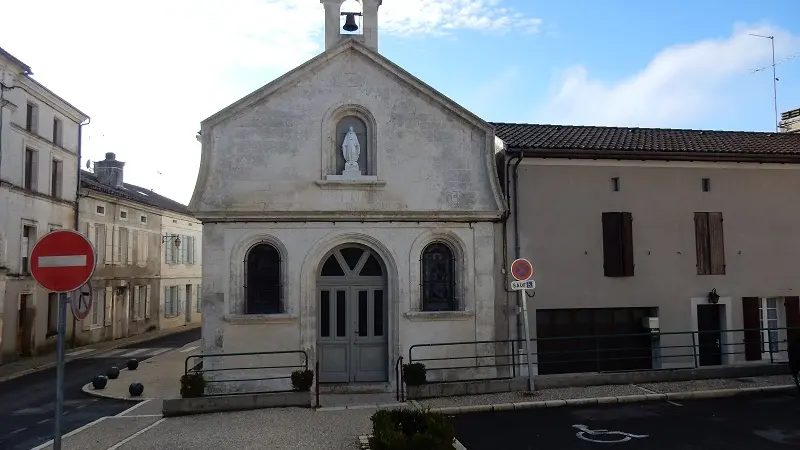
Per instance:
x=735, y=423
x=27, y=404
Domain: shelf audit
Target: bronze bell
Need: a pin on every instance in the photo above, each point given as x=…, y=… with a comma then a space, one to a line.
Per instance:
x=350, y=22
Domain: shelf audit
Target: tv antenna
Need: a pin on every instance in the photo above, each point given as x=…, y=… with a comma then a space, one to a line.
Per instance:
x=775, y=78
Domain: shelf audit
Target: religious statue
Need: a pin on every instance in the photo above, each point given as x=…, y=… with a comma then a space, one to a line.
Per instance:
x=351, y=150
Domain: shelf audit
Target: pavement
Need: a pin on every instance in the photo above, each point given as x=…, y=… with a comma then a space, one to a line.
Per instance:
x=735, y=423
x=343, y=419
x=27, y=420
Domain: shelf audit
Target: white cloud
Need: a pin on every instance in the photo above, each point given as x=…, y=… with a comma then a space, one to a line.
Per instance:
x=148, y=72
x=679, y=85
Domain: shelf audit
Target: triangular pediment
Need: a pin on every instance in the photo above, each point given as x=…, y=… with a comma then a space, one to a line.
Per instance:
x=347, y=46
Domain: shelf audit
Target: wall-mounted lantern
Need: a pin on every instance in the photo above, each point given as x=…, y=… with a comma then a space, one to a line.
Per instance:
x=176, y=239
x=713, y=297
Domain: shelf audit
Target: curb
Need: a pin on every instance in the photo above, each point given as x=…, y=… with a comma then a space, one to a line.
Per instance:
x=688, y=395
x=90, y=390
x=50, y=365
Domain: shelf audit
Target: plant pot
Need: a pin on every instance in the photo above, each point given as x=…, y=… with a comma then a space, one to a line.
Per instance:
x=99, y=382
x=132, y=364
x=136, y=389
x=113, y=373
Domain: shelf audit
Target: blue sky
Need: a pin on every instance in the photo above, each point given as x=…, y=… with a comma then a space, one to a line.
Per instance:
x=149, y=72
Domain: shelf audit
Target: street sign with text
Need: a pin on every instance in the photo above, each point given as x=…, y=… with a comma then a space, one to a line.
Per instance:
x=62, y=261
x=523, y=285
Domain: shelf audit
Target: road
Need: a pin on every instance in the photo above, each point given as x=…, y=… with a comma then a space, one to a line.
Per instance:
x=734, y=423
x=27, y=404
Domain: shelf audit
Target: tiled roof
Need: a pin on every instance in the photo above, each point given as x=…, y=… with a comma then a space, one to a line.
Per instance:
x=644, y=143
x=133, y=193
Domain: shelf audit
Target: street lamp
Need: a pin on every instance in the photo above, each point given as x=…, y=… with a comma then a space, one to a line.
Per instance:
x=176, y=239
x=774, y=77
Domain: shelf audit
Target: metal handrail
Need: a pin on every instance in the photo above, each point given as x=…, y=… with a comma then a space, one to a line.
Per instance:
x=198, y=367
x=601, y=352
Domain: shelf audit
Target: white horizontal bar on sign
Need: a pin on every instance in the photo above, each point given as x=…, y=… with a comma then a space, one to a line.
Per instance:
x=62, y=261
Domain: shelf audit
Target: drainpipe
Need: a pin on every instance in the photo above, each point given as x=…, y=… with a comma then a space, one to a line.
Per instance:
x=77, y=211
x=515, y=159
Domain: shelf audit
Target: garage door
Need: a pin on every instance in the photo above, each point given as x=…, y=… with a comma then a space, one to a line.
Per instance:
x=593, y=340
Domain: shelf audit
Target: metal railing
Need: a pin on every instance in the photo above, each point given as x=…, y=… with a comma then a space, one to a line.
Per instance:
x=198, y=367
x=602, y=353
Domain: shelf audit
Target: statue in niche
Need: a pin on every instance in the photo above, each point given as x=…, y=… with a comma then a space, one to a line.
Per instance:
x=351, y=150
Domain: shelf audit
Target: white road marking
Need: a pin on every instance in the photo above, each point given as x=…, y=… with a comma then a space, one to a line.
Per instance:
x=71, y=433
x=17, y=431
x=654, y=392
x=136, y=416
x=189, y=349
x=134, y=352
x=108, y=353
x=133, y=407
x=43, y=421
x=134, y=435
x=584, y=430
x=80, y=352
x=159, y=351
x=62, y=261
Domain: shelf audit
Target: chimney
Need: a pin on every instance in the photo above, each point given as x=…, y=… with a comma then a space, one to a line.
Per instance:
x=790, y=121
x=109, y=171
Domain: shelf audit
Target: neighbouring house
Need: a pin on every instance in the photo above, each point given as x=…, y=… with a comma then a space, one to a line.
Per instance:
x=633, y=230
x=148, y=257
x=349, y=211
x=39, y=152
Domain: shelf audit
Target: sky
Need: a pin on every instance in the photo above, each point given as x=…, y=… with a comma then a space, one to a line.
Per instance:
x=148, y=72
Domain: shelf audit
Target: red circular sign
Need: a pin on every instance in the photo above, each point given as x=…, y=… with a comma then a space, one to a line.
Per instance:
x=521, y=269
x=62, y=261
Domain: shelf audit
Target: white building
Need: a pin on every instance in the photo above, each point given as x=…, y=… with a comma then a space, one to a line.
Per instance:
x=349, y=210
x=148, y=260
x=39, y=153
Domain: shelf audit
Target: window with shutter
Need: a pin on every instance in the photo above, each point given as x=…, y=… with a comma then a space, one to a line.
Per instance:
x=147, y=303
x=709, y=243
x=617, y=244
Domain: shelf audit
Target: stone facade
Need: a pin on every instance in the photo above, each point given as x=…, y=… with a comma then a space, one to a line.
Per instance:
x=269, y=180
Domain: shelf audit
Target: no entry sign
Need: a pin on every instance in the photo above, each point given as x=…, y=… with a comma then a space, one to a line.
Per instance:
x=62, y=261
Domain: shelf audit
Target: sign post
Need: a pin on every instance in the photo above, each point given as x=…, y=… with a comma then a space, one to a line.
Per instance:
x=61, y=262
x=522, y=271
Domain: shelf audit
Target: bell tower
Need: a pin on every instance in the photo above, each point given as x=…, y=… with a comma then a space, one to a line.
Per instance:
x=357, y=25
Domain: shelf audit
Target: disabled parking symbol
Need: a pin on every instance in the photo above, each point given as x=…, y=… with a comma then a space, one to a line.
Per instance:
x=608, y=437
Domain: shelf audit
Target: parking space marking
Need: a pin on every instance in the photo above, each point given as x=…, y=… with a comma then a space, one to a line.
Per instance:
x=654, y=392
x=133, y=407
x=134, y=435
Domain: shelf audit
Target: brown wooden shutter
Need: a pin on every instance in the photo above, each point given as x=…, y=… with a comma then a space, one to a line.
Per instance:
x=792, y=305
x=701, y=242
x=751, y=319
x=716, y=244
x=627, y=244
x=612, y=244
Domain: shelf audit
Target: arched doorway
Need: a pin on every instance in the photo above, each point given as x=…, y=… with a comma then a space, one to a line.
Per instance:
x=352, y=316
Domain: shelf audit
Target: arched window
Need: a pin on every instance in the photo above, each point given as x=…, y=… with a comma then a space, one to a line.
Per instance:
x=263, y=266
x=360, y=128
x=438, y=278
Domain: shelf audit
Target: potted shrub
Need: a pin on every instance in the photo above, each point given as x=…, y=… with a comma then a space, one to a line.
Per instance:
x=302, y=380
x=406, y=429
x=414, y=374
x=192, y=385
